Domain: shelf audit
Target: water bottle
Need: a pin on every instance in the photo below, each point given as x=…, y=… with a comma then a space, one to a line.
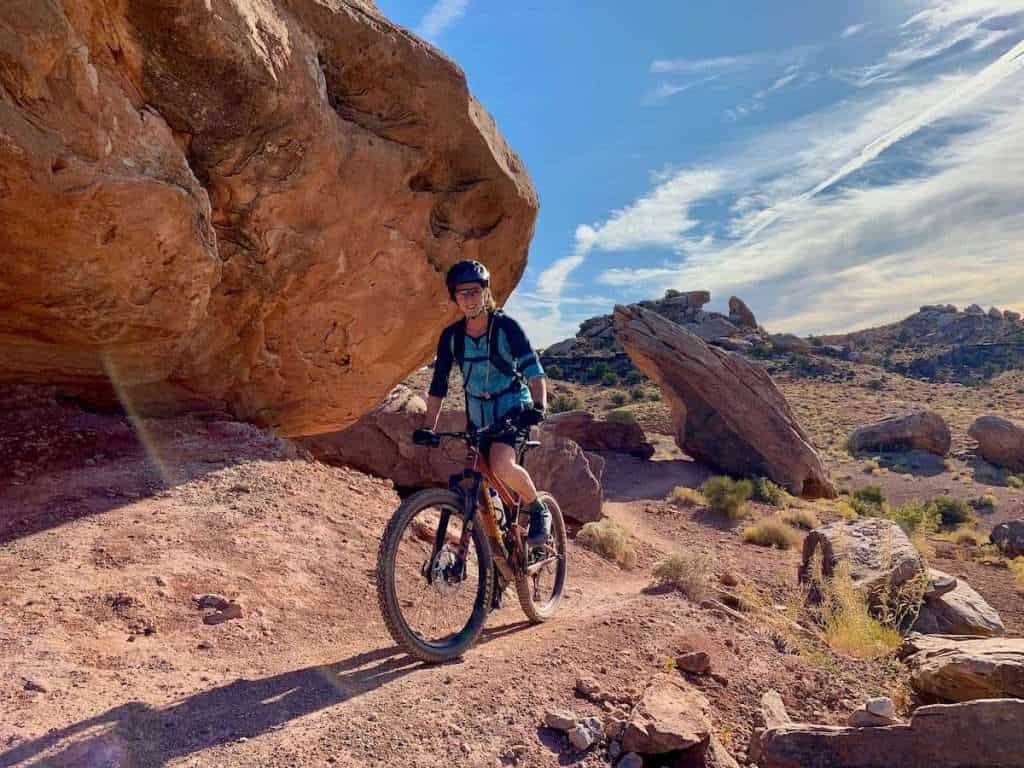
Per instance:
x=499, y=507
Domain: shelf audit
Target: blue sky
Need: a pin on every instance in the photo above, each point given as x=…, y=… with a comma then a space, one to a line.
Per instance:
x=835, y=165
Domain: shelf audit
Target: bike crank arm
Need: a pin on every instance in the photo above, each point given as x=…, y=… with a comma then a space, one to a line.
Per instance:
x=540, y=564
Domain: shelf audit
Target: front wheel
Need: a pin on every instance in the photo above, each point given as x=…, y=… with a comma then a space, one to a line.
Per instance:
x=434, y=607
x=540, y=588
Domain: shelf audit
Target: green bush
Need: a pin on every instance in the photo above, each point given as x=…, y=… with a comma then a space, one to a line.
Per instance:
x=618, y=398
x=985, y=504
x=620, y=416
x=953, y=511
x=726, y=496
x=768, y=492
x=634, y=377
x=609, y=378
x=637, y=394
x=916, y=516
x=869, y=501
x=598, y=370
x=655, y=396
x=554, y=372
x=564, y=403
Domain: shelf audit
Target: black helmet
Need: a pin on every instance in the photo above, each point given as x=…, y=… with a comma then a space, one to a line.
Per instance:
x=467, y=272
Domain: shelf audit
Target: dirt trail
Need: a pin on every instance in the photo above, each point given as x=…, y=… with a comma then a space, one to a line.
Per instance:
x=105, y=538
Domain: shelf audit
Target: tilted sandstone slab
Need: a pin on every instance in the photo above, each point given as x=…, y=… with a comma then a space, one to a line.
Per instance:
x=380, y=443
x=958, y=668
x=725, y=410
x=239, y=205
x=979, y=733
x=670, y=716
x=922, y=430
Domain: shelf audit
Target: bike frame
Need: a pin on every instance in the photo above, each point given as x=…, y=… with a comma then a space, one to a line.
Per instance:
x=472, y=485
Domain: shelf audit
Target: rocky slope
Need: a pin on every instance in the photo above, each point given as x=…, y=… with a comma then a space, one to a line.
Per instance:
x=244, y=206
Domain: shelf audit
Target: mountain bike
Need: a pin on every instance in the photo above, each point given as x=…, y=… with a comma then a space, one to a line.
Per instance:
x=448, y=555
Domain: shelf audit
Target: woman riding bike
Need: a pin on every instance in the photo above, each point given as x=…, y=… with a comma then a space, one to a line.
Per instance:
x=502, y=379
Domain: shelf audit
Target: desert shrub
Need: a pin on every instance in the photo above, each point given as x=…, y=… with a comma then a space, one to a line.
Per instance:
x=799, y=517
x=621, y=416
x=638, y=394
x=609, y=540
x=869, y=501
x=985, y=504
x=768, y=492
x=655, y=396
x=953, y=511
x=916, y=516
x=875, y=384
x=685, y=497
x=618, y=398
x=690, y=574
x=609, y=378
x=634, y=377
x=1015, y=481
x=726, y=496
x=771, y=532
x=554, y=372
x=564, y=403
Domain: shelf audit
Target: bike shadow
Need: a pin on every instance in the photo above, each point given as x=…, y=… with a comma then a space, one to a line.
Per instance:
x=137, y=734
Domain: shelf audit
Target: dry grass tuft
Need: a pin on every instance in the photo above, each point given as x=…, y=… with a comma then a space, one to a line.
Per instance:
x=1017, y=569
x=771, y=532
x=610, y=540
x=686, y=497
x=801, y=517
x=690, y=574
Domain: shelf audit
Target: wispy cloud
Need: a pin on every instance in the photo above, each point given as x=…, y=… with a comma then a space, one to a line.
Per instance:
x=853, y=29
x=667, y=90
x=441, y=15
x=717, y=65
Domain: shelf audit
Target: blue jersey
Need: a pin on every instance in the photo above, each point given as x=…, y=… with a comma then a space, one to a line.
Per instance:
x=490, y=393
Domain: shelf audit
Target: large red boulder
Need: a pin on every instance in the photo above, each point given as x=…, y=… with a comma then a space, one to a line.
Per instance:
x=243, y=206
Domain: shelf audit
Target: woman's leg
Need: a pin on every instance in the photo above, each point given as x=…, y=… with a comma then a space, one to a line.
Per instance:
x=502, y=460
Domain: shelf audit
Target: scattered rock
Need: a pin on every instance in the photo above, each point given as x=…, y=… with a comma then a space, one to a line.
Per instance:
x=958, y=611
x=1009, y=537
x=585, y=734
x=709, y=754
x=787, y=342
x=861, y=718
x=588, y=687
x=725, y=409
x=631, y=760
x=559, y=720
x=669, y=716
x=978, y=733
x=1000, y=441
x=773, y=710
x=697, y=662
x=939, y=584
x=882, y=706
x=35, y=686
x=880, y=556
x=974, y=309
x=216, y=602
x=921, y=430
x=959, y=668
x=231, y=611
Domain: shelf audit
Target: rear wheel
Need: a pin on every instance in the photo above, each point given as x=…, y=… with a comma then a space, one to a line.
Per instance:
x=540, y=589
x=434, y=608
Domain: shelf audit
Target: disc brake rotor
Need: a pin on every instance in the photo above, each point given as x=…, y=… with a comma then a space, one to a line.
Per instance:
x=442, y=573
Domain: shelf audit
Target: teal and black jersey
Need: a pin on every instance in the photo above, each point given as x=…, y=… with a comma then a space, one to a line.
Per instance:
x=494, y=379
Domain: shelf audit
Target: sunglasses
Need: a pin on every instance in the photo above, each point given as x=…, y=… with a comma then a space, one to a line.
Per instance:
x=469, y=293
